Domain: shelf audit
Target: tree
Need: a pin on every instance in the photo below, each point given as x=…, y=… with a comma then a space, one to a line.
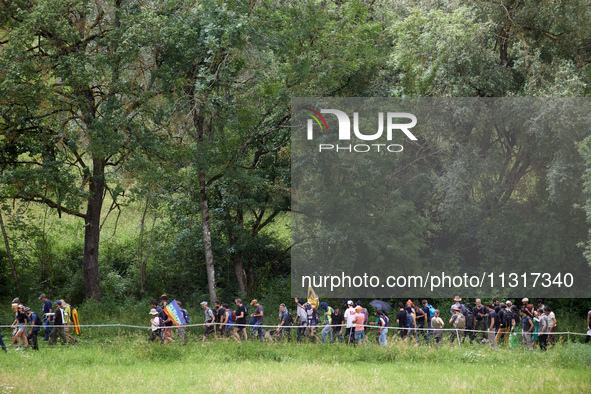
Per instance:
x=74, y=81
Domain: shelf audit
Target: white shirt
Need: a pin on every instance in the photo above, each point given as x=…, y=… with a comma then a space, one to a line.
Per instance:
x=350, y=317
x=303, y=316
x=155, y=323
x=551, y=320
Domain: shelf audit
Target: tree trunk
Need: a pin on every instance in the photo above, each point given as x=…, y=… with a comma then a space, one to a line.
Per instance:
x=205, y=220
x=9, y=255
x=92, y=230
x=239, y=271
x=145, y=261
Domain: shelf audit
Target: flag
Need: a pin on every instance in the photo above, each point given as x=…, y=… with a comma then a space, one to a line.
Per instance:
x=75, y=320
x=312, y=297
x=173, y=311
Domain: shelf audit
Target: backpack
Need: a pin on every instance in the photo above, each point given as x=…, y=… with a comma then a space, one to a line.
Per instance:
x=469, y=318
x=386, y=320
x=289, y=318
x=232, y=316
x=315, y=316
x=186, y=316
x=161, y=317
x=408, y=320
x=502, y=318
x=460, y=322
x=508, y=318
x=431, y=310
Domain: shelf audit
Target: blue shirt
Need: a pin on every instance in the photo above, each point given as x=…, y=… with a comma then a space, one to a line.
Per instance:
x=427, y=313
x=33, y=318
x=47, y=306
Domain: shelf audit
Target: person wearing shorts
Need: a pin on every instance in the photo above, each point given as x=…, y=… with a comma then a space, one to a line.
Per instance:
x=20, y=323
x=209, y=320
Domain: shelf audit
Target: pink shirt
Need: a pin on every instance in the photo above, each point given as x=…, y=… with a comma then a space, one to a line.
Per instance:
x=359, y=319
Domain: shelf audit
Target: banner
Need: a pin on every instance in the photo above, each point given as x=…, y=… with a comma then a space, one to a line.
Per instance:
x=173, y=311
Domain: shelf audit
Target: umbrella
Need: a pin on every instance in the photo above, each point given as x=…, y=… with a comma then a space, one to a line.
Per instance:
x=379, y=304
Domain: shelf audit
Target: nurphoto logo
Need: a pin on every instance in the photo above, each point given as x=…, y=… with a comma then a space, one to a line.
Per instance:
x=344, y=130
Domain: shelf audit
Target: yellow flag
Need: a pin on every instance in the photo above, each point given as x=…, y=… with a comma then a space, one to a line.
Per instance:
x=312, y=297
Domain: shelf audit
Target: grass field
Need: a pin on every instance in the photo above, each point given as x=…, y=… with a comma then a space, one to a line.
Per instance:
x=129, y=363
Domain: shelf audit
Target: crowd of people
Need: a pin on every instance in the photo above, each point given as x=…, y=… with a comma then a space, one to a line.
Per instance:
x=494, y=323
x=27, y=324
x=530, y=326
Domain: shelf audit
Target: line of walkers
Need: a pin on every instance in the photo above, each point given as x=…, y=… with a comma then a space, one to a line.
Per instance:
x=27, y=324
x=491, y=323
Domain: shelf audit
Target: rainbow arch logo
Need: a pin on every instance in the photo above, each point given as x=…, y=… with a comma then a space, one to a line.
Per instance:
x=315, y=115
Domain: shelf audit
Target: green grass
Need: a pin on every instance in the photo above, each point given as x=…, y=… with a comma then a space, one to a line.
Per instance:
x=127, y=362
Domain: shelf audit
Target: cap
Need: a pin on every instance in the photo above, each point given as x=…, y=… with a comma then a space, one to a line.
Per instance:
x=455, y=308
x=153, y=312
x=358, y=308
x=16, y=301
x=58, y=303
x=539, y=301
x=525, y=300
x=42, y=296
x=254, y=302
x=204, y=303
x=27, y=309
x=324, y=306
x=436, y=311
x=350, y=302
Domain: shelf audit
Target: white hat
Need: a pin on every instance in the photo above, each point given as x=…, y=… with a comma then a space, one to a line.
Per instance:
x=153, y=312
x=204, y=303
x=525, y=300
x=350, y=302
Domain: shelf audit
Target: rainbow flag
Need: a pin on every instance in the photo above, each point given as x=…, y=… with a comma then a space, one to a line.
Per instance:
x=173, y=311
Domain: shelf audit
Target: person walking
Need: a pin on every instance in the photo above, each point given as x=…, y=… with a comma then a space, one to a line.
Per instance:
x=383, y=323
x=491, y=320
x=241, y=313
x=535, y=337
x=34, y=327
x=458, y=322
x=401, y=320
x=350, y=314
x=302, y=319
x=58, y=325
x=328, y=312
x=527, y=326
x=437, y=324
x=47, y=319
x=259, y=316
x=544, y=329
x=20, y=324
x=551, y=325
x=337, y=325
x=284, y=323
x=155, y=330
x=209, y=320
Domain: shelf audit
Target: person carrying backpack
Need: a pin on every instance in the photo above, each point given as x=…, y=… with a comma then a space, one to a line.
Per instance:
x=182, y=329
x=328, y=312
x=383, y=324
x=313, y=318
x=209, y=320
x=33, y=328
x=505, y=318
x=437, y=324
x=285, y=321
x=458, y=322
x=155, y=330
x=241, y=313
x=469, y=330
